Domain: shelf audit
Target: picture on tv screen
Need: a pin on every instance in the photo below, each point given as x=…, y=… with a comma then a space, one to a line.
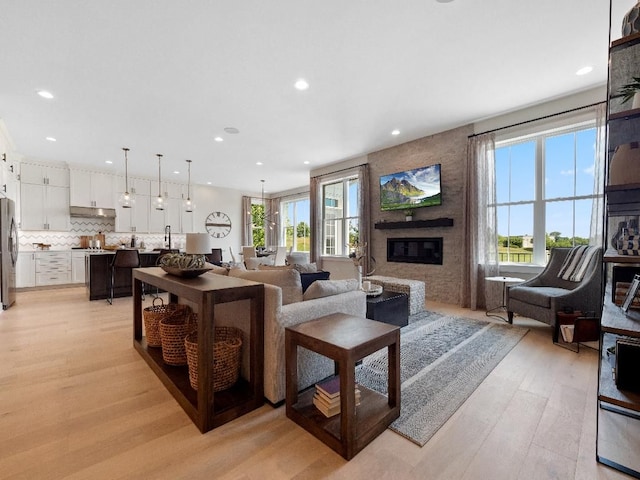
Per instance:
x=411, y=189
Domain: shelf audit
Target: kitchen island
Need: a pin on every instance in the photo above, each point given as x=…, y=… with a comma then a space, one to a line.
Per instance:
x=97, y=274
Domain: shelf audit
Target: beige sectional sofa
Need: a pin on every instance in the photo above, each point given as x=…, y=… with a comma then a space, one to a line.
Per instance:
x=285, y=305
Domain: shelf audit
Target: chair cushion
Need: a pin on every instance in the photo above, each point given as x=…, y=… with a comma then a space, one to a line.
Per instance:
x=288, y=280
x=308, y=278
x=540, y=296
x=326, y=288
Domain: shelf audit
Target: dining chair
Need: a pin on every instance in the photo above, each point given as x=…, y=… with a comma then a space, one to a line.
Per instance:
x=281, y=255
x=248, y=252
x=216, y=256
x=123, y=258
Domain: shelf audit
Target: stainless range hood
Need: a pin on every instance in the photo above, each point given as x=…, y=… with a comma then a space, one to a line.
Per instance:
x=92, y=212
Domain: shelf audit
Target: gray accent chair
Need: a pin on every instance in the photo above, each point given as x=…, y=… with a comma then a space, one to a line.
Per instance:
x=544, y=295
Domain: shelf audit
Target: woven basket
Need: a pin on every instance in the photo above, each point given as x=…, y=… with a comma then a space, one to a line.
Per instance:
x=173, y=331
x=152, y=316
x=227, y=354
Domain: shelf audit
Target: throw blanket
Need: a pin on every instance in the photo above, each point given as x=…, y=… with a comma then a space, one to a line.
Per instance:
x=576, y=263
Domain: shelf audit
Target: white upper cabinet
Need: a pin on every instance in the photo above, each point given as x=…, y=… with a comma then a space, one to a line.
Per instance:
x=37, y=174
x=92, y=189
x=44, y=197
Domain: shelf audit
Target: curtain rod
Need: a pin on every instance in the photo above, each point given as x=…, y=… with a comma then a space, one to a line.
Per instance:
x=545, y=117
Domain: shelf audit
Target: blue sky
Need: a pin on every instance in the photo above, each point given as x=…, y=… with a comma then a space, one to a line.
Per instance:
x=566, y=174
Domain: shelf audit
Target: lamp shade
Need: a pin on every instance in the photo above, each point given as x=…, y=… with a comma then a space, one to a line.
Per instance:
x=198, y=244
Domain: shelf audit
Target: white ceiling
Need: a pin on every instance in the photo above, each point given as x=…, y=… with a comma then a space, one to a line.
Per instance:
x=167, y=77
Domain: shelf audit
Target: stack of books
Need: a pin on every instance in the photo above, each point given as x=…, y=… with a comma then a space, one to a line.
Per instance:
x=327, y=396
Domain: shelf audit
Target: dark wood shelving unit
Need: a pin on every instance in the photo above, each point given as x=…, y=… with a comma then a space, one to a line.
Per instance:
x=618, y=424
x=437, y=222
x=207, y=409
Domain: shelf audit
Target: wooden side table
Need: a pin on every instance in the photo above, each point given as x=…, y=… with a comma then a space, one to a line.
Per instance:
x=345, y=339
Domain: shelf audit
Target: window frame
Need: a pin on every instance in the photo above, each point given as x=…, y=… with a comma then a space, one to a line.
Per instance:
x=283, y=228
x=341, y=247
x=539, y=202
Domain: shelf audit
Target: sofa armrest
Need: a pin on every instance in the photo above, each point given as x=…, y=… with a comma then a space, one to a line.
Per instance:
x=314, y=367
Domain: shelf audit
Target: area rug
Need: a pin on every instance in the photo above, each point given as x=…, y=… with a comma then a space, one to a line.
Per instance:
x=443, y=359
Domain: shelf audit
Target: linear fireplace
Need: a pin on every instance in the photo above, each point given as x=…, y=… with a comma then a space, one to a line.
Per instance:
x=415, y=250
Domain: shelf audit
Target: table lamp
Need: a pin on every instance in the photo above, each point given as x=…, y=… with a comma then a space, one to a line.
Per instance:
x=198, y=245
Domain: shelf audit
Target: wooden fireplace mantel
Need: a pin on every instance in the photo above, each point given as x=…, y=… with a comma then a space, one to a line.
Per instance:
x=436, y=222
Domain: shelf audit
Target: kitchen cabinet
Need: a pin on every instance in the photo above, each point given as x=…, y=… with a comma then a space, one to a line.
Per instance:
x=618, y=423
x=53, y=268
x=44, y=207
x=91, y=189
x=26, y=270
x=136, y=218
x=77, y=266
x=171, y=215
x=37, y=174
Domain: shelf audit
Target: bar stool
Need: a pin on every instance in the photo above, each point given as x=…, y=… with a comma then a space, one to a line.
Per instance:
x=124, y=258
x=215, y=256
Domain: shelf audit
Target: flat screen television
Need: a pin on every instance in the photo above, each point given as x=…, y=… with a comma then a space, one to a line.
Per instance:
x=415, y=188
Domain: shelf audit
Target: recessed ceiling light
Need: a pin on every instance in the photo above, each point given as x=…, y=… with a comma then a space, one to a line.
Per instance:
x=395, y=132
x=258, y=163
x=208, y=183
x=231, y=130
x=45, y=94
x=51, y=139
x=584, y=70
x=108, y=161
x=301, y=84
x=176, y=172
x=219, y=139
x=306, y=162
x=444, y=1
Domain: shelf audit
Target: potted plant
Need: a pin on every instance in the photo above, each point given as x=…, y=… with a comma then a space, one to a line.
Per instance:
x=630, y=90
x=408, y=214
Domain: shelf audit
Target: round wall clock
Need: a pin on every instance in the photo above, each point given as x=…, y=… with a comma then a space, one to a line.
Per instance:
x=218, y=224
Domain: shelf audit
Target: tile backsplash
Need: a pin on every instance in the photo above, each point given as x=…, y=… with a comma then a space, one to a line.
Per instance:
x=92, y=226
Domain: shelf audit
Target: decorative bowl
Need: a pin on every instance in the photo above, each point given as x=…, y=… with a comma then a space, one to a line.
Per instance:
x=374, y=290
x=185, y=272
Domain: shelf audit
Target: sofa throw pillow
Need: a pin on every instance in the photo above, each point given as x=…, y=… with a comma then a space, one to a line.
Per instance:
x=296, y=257
x=326, y=288
x=274, y=267
x=575, y=265
x=305, y=267
x=288, y=280
x=308, y=278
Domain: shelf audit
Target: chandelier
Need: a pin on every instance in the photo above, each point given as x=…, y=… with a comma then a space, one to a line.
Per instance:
x=188, y=204
x=159, y=202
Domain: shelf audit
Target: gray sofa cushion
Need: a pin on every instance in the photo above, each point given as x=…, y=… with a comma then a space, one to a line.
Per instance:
x=540, y=296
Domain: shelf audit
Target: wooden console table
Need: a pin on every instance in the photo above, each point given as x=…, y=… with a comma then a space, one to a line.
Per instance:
x=206, y=409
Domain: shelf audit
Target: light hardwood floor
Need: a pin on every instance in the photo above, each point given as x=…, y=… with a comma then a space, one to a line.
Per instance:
x=78, y=402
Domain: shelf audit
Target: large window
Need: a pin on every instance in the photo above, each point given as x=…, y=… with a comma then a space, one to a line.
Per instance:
x=339, y=215
x=544, y=192
x=295, y=231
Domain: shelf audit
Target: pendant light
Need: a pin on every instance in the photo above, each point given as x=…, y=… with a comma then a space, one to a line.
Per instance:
x=126, y=199
x=189, y=206
x=158, y=202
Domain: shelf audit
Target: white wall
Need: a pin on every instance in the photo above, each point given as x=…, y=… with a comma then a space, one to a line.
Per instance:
x=215, y=199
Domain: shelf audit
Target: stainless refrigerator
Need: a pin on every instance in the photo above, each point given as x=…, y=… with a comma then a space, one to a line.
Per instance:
x=8, y=252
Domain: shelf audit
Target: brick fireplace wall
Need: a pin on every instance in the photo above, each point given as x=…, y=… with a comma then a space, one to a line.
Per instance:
x=443, y=282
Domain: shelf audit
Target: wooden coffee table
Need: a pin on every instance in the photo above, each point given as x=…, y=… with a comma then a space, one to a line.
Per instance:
x=345, y=339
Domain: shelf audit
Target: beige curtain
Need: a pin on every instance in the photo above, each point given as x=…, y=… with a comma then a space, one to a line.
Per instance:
x=315, y=219
x=247, y=221
x=364, y=214
x=480, y=249
x=272, y=221
x=597, y=210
